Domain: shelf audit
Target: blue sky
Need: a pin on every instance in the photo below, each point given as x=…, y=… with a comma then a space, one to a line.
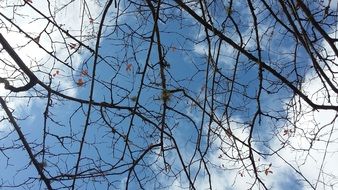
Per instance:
x=118, y=82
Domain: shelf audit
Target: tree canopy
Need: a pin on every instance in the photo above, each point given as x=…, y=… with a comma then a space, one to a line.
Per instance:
x=168, y=94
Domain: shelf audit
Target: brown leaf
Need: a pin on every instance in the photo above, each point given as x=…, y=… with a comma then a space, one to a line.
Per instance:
x=84, y=72
x=56, y=73
x=128, y=68
x=266, y=171
x=286, y=132
x=72, y=45
x=80, y=82
x=91, y=20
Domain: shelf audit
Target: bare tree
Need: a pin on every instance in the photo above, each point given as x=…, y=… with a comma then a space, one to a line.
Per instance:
x=168, y=94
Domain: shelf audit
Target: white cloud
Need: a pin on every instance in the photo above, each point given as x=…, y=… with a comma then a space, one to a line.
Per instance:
x=53, y=40
x=309, y=163
x=311, y=149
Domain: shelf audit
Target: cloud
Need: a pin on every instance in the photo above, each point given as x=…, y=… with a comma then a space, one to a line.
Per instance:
x=312, y=146
x=318, y=165
x=309, y=151
x=72, y=17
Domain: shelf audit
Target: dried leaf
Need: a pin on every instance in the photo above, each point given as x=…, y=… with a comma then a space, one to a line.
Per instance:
x=91, y=20
x=166, y=95
x=285, y=132
x=84, y=72
x=28, y=1
x=42, y=165
x=72, y=45
x=128, y=68
x=56, y=73
x=266, y=171
x=80, y=82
